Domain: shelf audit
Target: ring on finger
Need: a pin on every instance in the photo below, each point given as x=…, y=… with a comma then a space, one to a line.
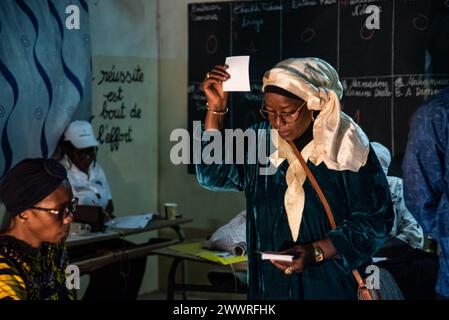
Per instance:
x=207, y=75
x=288, y=271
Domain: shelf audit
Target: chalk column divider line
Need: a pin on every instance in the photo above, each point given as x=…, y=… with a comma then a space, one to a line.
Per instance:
x=338, y=36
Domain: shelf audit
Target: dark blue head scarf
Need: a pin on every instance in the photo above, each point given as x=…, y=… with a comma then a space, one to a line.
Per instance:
x=29, y=182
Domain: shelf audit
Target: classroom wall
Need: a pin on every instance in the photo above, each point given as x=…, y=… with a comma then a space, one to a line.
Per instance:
x=123, y=35
x=209, y=210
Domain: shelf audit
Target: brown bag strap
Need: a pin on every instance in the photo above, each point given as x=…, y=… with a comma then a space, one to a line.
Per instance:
x=327, y=208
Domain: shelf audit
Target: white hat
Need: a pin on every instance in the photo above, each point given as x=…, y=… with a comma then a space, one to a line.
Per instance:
x=80, y=134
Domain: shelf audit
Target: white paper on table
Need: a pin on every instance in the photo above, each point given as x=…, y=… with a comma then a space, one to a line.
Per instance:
x=239, y=72
x=139, y=221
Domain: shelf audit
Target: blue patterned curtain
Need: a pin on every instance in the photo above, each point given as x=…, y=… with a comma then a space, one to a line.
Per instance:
x=45, y=76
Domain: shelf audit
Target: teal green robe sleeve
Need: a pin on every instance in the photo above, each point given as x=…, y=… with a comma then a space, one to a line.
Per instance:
x=359, y=235
x=219, y=176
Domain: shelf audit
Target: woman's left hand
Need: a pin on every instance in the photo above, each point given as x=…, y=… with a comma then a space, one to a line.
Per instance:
x=304, y=258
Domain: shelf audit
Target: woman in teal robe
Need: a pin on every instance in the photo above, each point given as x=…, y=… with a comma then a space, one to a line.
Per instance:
x=359, y=200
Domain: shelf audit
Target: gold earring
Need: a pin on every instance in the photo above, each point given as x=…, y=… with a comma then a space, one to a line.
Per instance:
x=311, y=116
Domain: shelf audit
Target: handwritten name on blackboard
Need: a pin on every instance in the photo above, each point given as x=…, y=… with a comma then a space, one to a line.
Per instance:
x=246, y=8
x=205, y=8
x=295, y=4
x=368, y=88
x=206, y=12
x=121, y=76
x=418, y=86
x=207, y=17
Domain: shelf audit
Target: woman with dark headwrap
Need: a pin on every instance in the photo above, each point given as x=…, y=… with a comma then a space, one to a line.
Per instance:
x=284, y=212
x=40, y=206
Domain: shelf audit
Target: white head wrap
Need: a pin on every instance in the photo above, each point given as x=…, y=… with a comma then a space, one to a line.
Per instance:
x=337, y=140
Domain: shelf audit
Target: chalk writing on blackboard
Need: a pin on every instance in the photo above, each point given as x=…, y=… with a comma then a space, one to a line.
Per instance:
x=255, y=22
x=307, y=35
x=418, y=86
x=420, y=22
x=245, y=8
x=211, y=44
x=381, y=69
x=368, y=88
x=206, y=12
x=295, y=4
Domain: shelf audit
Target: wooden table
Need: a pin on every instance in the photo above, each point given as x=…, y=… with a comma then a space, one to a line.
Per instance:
x=92, y=263
x=181, y=257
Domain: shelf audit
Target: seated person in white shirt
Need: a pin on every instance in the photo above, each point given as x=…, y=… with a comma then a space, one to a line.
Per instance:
x=88, y=180
x=119, y=280
x=414, y=270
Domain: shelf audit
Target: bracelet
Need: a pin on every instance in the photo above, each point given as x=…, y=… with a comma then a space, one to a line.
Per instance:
x=217, y=112
x=317, y=252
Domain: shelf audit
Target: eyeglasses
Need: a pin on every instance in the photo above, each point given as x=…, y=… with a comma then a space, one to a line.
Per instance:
x=287, y=117
x=65, y=211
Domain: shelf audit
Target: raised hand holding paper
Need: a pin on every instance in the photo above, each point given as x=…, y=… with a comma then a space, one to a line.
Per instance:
x=239, y=71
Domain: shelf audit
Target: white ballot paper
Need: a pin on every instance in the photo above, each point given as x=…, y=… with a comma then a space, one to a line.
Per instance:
x=130, y=222
x=239, y=71
x=276, y=256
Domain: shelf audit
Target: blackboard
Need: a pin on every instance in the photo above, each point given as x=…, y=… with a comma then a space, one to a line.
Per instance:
x=387, y=73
